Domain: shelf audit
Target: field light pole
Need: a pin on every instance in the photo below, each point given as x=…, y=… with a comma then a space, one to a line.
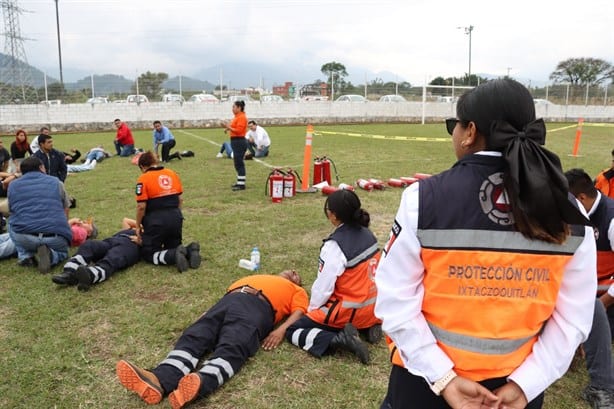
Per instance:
x=57, y=21
x=468, y=31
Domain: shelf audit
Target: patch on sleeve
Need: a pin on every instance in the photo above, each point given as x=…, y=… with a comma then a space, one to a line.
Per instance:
x=394, y=233
x=139, y=189
x=320, y=265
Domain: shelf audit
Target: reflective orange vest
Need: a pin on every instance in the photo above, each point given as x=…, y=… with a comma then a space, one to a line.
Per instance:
x=488, y=290
x=353, y=299
x=605, y=182
x=601, y=219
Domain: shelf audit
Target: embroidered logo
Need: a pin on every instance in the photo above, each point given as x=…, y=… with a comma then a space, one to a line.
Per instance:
x=494, y=201
x=394, y=233
x=165, y=182
x=139, y=189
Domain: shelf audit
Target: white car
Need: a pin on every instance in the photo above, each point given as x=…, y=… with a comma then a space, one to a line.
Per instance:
x=137, y=99
x=244, y=98
x=173, y=98
x=271, y=98
x=392, y=98
x=351, y=98
x=206, y=98
x=542, y=102
x=97, y=100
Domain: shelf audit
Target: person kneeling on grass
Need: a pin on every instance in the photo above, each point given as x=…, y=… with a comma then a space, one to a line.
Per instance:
x=232, y=329
x=96, y=260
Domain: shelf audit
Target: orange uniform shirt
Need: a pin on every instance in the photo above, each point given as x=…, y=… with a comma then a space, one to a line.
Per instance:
x=239, y=124
x=285, y=296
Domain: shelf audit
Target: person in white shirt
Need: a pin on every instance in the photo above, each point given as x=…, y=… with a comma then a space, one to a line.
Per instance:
x=34, y=145
x=258, y=141
x=487, y=284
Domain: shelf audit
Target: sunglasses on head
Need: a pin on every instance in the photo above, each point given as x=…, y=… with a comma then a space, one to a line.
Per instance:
x=451, y=124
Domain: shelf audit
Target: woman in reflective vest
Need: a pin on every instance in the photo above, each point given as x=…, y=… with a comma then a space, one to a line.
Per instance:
x=343, y=295
x=486, y=285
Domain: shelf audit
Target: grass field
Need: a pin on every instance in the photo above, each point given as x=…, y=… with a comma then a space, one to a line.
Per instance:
x=59, y=347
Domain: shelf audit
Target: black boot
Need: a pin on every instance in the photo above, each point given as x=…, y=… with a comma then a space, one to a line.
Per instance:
x=193, y=254
x=349, y=340
x=66, y=277
x=85, y=278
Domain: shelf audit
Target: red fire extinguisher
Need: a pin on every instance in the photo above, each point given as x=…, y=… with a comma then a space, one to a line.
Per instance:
x=408, y=179
x=327, y=190
x=326, y=170
x=364, y=184
x=345, y=186
x=289, y=184
x=421, y=176
x=275, y=186
x=317, y=171
x=377, y=184
x=396, y=182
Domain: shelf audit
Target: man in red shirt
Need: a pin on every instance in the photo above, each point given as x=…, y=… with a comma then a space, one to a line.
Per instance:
x=124, y=142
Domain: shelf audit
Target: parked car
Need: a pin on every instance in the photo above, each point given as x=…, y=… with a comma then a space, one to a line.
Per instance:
x=542, y=102
x=206, y=98
x=308, y=98
x=98, y=100
x=52, y=102
x=271, y=98
x=136, y=99
x=446, y=99
x=351, y=98
x=173, y=98
x=392, y=98
x=244, y=98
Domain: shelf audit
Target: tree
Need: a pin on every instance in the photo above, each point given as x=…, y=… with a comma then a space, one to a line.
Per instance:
x=337, y=71
x=583, y=71
x=150, y=84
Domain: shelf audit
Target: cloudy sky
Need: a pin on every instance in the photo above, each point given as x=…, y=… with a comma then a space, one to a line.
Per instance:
x=416, y=40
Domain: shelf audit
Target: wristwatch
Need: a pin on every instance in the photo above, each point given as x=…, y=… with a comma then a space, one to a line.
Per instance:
x=440, y=384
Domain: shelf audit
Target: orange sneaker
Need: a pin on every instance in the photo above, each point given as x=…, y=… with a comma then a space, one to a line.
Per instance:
x=138, y=380
x=186, y=391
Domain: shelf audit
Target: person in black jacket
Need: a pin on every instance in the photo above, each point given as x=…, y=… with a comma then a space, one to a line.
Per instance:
x=53, y=160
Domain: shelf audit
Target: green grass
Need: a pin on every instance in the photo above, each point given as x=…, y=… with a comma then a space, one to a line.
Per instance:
x=59, y=347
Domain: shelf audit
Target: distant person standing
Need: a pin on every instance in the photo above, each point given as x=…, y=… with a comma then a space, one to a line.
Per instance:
x=53, y=160
x=237, y=129
x=163, y=137
x=34, y=145
x=258, y=141
x=605, y=180
x=124, y=142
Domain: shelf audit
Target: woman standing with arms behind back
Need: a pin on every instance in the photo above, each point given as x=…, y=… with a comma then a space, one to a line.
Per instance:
x=237, y=129
x=486, y=286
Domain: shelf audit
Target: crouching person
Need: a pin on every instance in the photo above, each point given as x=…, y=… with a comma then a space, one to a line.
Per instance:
x=38, y=225
x=232, y=329
x=97, y=260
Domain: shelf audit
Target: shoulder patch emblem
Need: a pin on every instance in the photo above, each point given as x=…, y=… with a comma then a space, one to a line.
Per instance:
x=494, y=201
x=139, y=189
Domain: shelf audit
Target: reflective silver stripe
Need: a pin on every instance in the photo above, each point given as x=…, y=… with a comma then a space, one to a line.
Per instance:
x=325, y=310
x=311, y=335
x=214, y=366
x=478, y=345
x=495, y=240
x=215, y=371
x=185, y=355
x=362, y=256
x=158, y=257
x=603, y=287
x=177, y=364
x=350, y=304
x=295, y=336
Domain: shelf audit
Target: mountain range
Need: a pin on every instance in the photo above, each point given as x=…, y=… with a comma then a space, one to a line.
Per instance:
x=237, y=74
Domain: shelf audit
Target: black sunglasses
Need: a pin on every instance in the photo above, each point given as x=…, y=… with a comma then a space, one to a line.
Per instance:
x=451, y=124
